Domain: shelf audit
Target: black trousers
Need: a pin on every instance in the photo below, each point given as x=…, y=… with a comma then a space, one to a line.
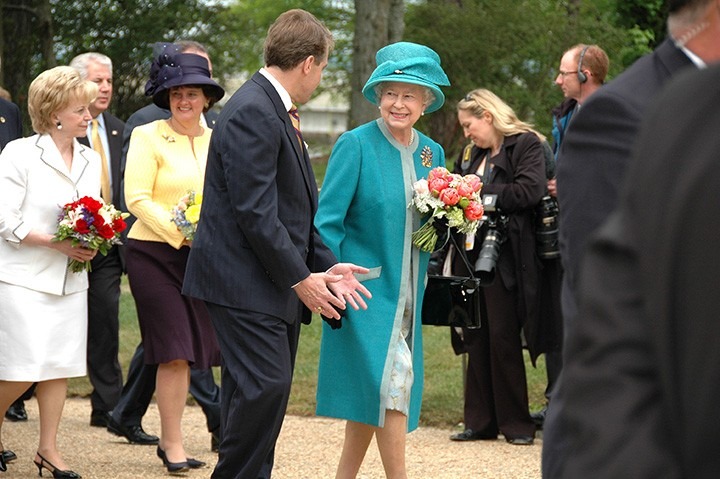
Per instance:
x=496, y=396
x=104, y=369
x=140, y=386
x=258, y=354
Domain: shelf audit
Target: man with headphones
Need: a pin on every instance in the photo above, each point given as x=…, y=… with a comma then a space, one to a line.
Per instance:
x=583, y=69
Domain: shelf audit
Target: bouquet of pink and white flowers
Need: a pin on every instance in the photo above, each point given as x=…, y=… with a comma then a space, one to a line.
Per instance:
x=447, y=197
x=186, y=214
x=92, y=224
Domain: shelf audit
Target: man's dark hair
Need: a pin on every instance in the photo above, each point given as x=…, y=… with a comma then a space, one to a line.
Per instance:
x=294, y=36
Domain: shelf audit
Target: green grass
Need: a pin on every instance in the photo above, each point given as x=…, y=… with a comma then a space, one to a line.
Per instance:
x=443, y=394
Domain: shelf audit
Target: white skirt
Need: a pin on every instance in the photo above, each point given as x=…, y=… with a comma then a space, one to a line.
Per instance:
x=42, y=336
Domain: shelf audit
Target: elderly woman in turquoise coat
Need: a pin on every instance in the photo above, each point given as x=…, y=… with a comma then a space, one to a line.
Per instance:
x=371, y=368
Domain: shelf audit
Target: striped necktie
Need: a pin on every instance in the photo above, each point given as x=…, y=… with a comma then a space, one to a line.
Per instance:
x=104, y=175
x=295, y=119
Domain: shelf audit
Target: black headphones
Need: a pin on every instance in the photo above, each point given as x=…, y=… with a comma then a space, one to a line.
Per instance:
x=582, y=77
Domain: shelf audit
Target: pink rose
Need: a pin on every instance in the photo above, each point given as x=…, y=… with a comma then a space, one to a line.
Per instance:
x=474, y=211
x=449, y=196
x=437, y=185
x=474, y=181
x=438, y=172
x=465, y=189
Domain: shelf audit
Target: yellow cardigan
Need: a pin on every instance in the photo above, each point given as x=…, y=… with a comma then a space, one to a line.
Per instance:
x=162, y=166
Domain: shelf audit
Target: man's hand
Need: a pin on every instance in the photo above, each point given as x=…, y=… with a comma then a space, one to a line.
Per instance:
x=323, y=292
x=552, y=187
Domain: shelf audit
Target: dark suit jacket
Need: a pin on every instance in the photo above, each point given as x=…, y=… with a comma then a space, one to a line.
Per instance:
x=10, y=124
x=256, y=237
x=592, y=163
x=597, y=149
x=640, y=383
x=114, y=128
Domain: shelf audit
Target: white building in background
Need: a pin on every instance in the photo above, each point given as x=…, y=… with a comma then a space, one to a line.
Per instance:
x=325, y=114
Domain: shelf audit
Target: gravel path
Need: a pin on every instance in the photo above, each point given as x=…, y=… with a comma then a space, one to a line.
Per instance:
x=308, y=448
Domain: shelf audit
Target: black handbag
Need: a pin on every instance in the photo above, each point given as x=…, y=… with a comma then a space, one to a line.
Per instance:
x=453, y=300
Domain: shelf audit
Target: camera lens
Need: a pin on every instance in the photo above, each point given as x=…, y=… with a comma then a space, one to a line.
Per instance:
x=546, y=231
x=487, y=259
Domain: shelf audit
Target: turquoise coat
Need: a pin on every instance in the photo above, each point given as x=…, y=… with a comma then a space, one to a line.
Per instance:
x=363, y=217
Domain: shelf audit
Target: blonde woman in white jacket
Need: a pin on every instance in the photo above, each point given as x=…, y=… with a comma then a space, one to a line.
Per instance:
x=43, y=318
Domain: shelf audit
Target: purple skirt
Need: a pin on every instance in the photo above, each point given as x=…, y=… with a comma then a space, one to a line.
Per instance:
x=172, y=326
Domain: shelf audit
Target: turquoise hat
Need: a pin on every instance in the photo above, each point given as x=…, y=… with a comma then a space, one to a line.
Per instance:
x=407, y=62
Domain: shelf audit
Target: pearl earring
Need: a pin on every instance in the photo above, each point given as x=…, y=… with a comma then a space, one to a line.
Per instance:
x=58, y=125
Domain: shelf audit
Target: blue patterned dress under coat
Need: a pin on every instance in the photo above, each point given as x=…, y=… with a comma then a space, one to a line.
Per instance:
x=375, y=360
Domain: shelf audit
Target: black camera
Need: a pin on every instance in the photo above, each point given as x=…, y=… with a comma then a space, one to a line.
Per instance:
x=546, y=228
x=494, y=237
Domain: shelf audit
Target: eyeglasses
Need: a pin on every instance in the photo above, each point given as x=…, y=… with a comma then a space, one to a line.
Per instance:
x=564, y=74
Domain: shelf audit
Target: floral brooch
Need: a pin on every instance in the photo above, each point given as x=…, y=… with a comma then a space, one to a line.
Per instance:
x=426, y=156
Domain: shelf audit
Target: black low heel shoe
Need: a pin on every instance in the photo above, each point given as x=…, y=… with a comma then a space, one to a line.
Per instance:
x=56, y=473
x=177, y=467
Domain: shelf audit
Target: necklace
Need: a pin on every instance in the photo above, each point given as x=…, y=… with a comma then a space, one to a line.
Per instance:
x=412, y=137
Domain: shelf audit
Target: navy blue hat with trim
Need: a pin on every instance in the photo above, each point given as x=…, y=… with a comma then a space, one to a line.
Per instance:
x=171, y=68
x=407, y=62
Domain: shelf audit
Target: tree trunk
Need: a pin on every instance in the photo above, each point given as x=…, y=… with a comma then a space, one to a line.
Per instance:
x=46, y=33
x=377, y=23
x=27, y=31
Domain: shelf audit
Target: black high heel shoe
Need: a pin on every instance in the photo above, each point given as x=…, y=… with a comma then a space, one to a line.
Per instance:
x=6, y=457
x=177, y=467
x=56, y=473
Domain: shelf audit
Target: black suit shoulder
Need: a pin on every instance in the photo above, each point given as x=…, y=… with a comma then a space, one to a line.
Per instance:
x=10, y=122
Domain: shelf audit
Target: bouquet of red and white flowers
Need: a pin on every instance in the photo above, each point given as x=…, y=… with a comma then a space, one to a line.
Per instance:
x=447, y=197
x=186, y=214
x=92, y=224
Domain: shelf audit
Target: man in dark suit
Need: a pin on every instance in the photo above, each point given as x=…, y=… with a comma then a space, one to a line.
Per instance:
x=11, y=129
x=596, y=152
x=582, y=72
x=10, y=124
x=104, y=136
x=257, y=260
x=126, y=418
x=641, y=383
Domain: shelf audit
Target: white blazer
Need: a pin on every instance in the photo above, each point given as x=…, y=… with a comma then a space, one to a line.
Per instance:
x=35, y=184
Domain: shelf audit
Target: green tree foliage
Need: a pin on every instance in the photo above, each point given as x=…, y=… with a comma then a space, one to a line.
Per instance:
x=511, y=48
x=125, y=30
x=243, y=26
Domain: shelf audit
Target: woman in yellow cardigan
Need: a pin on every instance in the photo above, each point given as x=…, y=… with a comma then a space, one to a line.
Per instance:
x=166, y=159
